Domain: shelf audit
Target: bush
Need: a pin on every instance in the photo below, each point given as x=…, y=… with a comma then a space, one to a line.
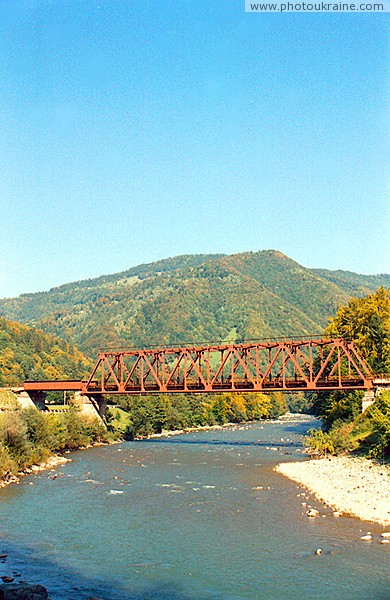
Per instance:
x=380, y=417
x=7, y=464
x=29, y=436
x=319, y=442
x=13, y=435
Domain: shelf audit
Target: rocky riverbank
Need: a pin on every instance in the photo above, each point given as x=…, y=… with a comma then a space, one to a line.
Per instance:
x=352, y=486
x=50, y=463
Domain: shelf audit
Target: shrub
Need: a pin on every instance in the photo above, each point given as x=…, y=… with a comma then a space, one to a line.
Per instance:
x=380, y=417
x=319, y=442
x=7, y=464
x=13, y=435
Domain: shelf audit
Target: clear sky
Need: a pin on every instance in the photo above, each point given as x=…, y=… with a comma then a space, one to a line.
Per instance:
x=135, y=130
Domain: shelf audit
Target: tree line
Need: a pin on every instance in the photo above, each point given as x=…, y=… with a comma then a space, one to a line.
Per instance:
x=146, y=415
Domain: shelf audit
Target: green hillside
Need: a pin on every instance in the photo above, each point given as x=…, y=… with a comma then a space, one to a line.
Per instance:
x=27, y=353
x=195, y=298
x=354, y=284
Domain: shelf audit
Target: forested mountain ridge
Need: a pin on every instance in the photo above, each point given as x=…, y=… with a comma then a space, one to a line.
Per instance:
x=194, y=298
x=354, y=284
x=27, y=353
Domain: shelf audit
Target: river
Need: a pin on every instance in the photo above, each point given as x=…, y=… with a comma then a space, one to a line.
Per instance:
x=195, y=516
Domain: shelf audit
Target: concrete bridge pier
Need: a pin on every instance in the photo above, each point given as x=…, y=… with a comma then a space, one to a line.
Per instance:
x=92, y=406
x=101, y=403
x=38, y=398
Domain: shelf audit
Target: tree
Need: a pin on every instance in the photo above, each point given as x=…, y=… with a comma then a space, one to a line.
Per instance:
x=365, y=321
x=257, y=405
x=278, y=405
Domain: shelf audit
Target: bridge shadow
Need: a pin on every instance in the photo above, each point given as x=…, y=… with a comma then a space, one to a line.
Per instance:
x=63, y=583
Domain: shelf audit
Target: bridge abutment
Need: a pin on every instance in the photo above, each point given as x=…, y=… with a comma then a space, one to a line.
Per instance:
x=380, y=385
x=35, y=399
x=368, y=399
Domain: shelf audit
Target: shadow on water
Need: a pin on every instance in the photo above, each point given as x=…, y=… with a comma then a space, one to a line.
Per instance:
x=62, y=583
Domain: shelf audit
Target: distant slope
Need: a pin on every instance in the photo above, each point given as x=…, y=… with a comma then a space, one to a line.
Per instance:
x=288, y=280
x=27, y=353
x=188, y=299
x=352, y=283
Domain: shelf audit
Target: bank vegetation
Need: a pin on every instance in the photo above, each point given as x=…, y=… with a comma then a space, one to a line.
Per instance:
x=366, y=321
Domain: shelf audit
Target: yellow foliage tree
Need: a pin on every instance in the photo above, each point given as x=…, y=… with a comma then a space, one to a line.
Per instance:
x=366, y=321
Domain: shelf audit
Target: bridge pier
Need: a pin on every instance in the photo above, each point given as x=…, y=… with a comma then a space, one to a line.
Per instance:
x=92, y=406
x=38, y=398
x=101, y=403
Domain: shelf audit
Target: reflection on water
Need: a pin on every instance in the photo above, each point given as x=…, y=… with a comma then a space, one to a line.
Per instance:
x=200, y=515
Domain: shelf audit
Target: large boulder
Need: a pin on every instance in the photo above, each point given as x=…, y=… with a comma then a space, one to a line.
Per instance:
x=23, y=591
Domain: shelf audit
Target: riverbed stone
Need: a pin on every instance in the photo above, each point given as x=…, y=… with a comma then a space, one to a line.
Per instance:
x=23, y=591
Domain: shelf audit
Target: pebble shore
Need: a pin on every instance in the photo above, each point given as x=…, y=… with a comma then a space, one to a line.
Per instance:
x=352, y=486
x=51, y=463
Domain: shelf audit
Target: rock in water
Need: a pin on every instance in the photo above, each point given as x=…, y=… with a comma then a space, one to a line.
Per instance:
x=23, y=591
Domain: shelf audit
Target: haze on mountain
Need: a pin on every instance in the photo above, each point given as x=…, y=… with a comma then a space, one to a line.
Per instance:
x=193, y=299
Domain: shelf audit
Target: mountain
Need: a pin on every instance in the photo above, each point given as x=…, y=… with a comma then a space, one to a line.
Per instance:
x=193, y=298
x=354, y=284
x=27, y=353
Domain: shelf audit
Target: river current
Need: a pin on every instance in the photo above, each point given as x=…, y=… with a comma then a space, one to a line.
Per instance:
x=194, y=516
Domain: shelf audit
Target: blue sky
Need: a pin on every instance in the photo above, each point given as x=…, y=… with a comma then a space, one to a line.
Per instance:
x=134, y=130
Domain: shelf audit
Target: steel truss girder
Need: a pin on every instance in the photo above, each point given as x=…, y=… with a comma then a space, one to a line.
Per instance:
x=328, y=364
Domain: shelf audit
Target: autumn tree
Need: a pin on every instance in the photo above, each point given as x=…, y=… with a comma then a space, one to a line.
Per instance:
x=365, y=321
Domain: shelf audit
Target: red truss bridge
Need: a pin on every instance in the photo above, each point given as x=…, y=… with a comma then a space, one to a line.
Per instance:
x=316, y=365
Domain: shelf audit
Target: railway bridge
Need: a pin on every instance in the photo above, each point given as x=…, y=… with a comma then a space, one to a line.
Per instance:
x=253, y=366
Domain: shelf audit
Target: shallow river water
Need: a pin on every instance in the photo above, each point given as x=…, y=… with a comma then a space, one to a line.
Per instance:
x=195, y=516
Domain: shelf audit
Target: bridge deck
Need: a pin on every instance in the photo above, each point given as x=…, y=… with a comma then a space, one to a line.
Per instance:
x=53, y=386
